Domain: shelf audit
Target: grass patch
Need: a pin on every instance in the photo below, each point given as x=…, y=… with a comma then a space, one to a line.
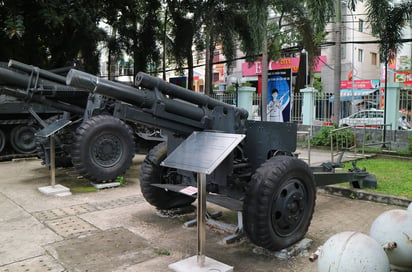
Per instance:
x=160, y=251
x=393, y=175
x=78, y=185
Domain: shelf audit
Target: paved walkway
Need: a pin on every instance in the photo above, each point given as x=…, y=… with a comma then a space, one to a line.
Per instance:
x=117, y=230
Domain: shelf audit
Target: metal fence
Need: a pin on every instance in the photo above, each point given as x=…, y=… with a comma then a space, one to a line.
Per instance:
x=323, y=105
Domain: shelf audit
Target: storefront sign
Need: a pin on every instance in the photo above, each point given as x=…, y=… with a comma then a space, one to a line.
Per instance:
x=360, y=84
x=404, y=77
x=255, y=68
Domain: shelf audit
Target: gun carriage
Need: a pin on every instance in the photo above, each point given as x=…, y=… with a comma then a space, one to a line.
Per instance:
x=261, y=179
x=274, y=190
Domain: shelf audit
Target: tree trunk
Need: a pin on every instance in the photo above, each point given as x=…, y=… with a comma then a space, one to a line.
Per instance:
x=338, y=68
x=209, y=65
x=190, y=71
x=112, y=58
x=164, y=45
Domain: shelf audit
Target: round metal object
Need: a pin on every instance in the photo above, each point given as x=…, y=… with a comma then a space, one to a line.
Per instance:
x=352, y=251
x=22, y=139
x=288, y=207
x=395, y=226
x=107, y=150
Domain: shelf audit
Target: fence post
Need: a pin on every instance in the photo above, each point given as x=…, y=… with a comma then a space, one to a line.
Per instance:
x=392, y=100
x=308, y=112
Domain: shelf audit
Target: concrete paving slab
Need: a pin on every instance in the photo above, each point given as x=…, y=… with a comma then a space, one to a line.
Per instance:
x=71, y=226
x=63, y=212
x=21, y=235
x=191, y=265
x=106, y=185
x=37, y=264
x=24, y=177
x=56, y=190
x=103, y=251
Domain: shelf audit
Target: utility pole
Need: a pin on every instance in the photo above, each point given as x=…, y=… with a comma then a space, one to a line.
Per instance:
x=264, y=95
x=338, y=68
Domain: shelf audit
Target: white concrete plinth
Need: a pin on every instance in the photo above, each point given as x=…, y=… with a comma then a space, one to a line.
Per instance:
x=56, y=190
x=106, y=185
x=190, y=265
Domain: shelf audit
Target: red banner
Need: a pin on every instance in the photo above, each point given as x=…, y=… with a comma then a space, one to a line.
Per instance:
x=255, y=68
x=360, y=84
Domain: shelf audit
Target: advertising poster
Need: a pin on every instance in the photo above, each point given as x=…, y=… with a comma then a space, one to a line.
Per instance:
x=179, y=81
x=279, y=94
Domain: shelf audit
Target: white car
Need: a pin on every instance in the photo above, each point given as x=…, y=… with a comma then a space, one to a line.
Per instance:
x=368, y=118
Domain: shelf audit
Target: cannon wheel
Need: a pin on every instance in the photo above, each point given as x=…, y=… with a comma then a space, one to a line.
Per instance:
x=22, y=139
x=103, y=148
x=65, y=137
x=2, y=140
x=152, y=173
x=280, y=202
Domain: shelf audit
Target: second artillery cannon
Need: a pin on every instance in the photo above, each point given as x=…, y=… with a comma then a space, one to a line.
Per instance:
x=36, y=88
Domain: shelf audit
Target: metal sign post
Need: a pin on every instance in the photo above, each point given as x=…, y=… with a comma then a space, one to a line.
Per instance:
x=52, y=160
x=50, y=131
x=201, y=218
x=210, y=149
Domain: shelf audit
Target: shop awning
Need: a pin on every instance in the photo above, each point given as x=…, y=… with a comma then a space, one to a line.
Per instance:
x=347, y=95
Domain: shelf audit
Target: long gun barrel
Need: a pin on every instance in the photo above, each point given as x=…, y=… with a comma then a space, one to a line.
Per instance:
x=21, y=95
x=143, y=98
x=21, y=80
x=150, y=82
x=32, y=69
x=32, y=85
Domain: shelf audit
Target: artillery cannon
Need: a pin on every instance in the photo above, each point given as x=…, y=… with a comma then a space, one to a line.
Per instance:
x=274, y=191
x=17, y=124
x=38, y=88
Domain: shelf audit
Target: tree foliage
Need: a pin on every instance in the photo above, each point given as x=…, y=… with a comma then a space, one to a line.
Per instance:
x=185, y=33
x=50, y=33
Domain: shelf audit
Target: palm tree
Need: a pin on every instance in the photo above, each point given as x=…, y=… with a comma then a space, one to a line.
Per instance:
x=224, y=23
x=138, y=26
x=309, y=17
x=184, y=27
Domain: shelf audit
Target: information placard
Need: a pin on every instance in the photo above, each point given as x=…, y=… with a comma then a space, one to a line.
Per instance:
x=202, y=152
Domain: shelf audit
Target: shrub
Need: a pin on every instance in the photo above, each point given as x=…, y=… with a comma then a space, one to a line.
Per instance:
x=342, y=138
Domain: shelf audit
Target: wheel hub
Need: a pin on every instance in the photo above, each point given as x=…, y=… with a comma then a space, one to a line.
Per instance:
x=288, y=207
x=22, y=139
x=107, y=150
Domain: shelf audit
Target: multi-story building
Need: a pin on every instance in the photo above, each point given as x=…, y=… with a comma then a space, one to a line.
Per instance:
x=360, y=58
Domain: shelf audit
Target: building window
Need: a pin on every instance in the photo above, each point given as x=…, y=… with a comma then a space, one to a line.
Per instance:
x=216, y=77
x=361, y=23
x=374, y=57
x=360, y=55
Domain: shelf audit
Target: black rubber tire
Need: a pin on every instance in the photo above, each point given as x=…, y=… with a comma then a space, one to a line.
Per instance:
x=62, y=155
x=153, y=173
x=22, y=139
x=280, y=203
x=2, y=140
x=103, y=148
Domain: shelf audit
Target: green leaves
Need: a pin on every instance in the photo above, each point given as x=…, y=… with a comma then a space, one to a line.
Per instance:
x=14, y=27
x=387, y=21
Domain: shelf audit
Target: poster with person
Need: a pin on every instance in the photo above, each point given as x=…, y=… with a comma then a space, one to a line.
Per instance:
x=279, y=94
